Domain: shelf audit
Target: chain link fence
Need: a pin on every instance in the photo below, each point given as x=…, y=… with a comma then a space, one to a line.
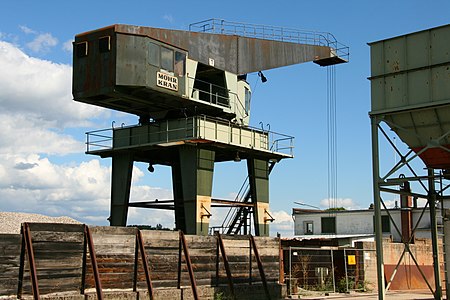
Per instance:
x=329, y=269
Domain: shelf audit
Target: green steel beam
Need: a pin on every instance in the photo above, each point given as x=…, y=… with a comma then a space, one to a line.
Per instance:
x=258, y=173
x=377, y=208
x=192, y=178
x=122, y=168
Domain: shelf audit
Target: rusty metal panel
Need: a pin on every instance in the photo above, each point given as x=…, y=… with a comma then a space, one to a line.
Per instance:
x=131, y=63
x=233, y=53
x=411, y=71
x=258, y=54
x=410, y=88
x=94, y=73
x=408, y=277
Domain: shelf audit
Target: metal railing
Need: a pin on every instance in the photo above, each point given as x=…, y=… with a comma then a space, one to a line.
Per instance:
x=198, y=127
x=215, y=94
x=224, y=98
x=275, y=33
x=260, y=139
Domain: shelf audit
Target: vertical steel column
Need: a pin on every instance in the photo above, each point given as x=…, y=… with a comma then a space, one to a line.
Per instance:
x=192, y=176
x=258, y=176
x=377, y=208
x=21, y=266
x=98, y=283
x=446, y=248
x=332, y=269
x=227, y=265
x=346, y=270
x=189, y=265
x=280, y=261
x=84, y=266
x=434, y=234
x=122, y=168
x=31, y=261
x=290, y=271
x=140, y=242
x=260, y=267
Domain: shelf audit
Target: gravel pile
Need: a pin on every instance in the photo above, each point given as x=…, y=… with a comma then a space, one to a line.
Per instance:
x=10, y=221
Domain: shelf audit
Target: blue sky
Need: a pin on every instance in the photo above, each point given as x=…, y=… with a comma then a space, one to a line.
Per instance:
x=43, y=167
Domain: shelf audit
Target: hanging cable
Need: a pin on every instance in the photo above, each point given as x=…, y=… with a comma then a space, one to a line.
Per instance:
x=332, y=176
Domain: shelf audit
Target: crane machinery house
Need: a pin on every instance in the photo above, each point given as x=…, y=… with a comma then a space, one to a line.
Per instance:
x=189, y=90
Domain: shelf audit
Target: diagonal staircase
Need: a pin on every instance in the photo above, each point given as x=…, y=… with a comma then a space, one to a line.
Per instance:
x=239, y=218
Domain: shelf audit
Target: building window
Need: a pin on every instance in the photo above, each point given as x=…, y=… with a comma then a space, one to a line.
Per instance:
x=329, y=225
x=308, y=227
x=385, y=224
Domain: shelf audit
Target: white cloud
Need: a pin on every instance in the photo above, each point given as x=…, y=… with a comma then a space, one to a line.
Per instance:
x=169, y=18
x=26, y=135
x=283, y=224
x=27, y=30
x=67, y=46
x=42, y=42
x=347, y=203
x=421, y=202
x=39, y=89
x=36, y=108
x=80, y=191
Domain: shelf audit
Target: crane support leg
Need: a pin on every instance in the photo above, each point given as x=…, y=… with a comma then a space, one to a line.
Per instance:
x=192, y=177
x=122, y=168
x=258, y=174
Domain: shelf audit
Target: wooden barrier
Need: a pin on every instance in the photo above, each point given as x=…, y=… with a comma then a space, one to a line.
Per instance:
x=63, y=262
x=10, y=245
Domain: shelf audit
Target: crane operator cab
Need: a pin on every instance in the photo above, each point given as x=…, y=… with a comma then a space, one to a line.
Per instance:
x=139, y=71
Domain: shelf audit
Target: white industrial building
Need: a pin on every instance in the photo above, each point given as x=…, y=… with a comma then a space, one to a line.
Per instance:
x=358, y=225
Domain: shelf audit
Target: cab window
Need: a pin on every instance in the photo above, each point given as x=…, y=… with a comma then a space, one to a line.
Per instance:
x=153, y=54
x=180, y=63
x=166, y=59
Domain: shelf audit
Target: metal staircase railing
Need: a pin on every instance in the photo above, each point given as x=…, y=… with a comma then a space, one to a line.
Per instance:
x=238, y=219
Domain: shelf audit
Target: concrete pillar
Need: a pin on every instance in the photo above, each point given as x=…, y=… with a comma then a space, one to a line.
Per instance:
x=192, y=177
x=122, y=168
x=258, y=173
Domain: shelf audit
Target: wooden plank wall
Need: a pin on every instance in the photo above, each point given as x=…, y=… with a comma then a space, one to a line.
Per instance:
x=59, y=250
x=161, y=248
x=10, y=245
x=269, y=252
x=115, y=252
x=58, y=253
